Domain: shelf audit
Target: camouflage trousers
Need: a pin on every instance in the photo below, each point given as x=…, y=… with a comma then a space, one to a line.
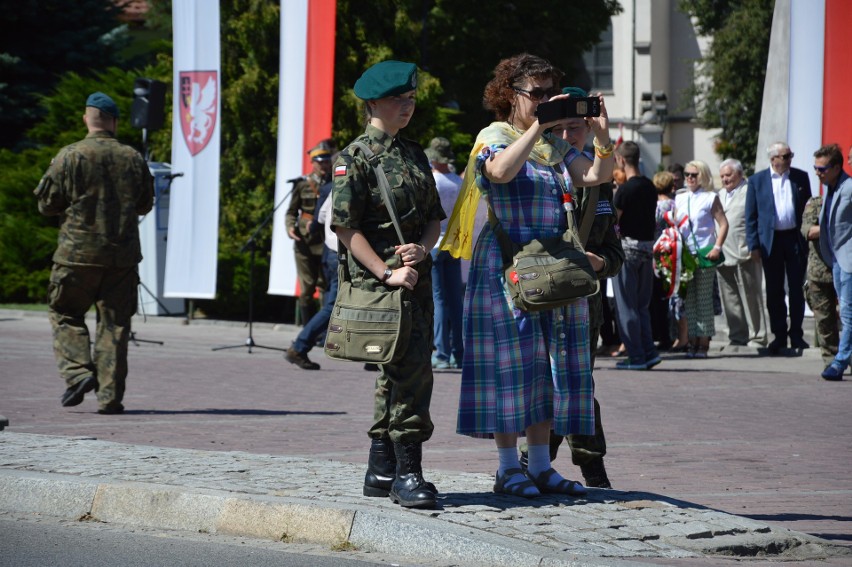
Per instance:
x=309, y=272
x=71, y=293
x=404, y=390
x=822, y=299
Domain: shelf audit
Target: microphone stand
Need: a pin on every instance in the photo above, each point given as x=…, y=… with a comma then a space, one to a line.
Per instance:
x=252, y=246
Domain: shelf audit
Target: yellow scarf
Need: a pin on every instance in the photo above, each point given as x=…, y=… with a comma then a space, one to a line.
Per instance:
x=458, y=239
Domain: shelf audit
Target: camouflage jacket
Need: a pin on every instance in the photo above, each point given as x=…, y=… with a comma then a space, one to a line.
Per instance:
x=357, y=201
x=303, y=207
x=98, y=187
x=603, y=241
x=817, y=270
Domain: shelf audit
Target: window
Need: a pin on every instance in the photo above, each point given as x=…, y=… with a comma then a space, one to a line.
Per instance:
x=598, y=62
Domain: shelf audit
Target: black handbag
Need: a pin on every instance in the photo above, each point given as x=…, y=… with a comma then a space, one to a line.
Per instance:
x=547, y=273
x=369, y=325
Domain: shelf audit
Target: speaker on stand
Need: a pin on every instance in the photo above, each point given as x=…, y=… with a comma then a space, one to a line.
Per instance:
x=148, y=111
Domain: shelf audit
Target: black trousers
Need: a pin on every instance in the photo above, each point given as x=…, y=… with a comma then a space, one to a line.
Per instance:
x=787, y=260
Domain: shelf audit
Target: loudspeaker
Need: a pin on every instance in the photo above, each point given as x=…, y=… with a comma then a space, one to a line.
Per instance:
x=149, y=104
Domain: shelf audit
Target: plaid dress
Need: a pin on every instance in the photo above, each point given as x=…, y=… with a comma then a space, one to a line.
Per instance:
x=522, y=368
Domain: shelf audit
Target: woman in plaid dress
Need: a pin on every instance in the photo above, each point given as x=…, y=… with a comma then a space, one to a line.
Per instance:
x=524, y=373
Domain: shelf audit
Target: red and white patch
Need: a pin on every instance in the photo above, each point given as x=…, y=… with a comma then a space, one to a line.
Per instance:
x=340, y=170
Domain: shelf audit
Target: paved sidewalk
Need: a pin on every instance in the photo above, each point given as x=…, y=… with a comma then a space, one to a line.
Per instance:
x=715, y=458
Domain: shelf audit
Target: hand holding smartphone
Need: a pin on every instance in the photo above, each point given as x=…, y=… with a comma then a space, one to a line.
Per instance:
x=571, y=107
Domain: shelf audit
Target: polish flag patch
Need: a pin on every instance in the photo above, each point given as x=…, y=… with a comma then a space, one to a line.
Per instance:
x=340, y=170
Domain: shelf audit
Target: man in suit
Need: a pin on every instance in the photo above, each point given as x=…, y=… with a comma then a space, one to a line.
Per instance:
x=741, y=273
x=835, y=242
x=775, y=201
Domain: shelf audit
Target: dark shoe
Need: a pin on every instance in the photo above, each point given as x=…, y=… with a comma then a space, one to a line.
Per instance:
x=111, y=409
x=799, y=343
x=630, y=364
x=775, y=346
x=652, y=362
x=594, y=474
x=833, y=372
x=525, y=488
x=73, y=396
x=370, y=367
x=564, y=486
x=409, y=489
x=381, y=468
x=301, y=360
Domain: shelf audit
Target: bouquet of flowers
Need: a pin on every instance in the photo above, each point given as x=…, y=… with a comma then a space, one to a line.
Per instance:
x=674, y=264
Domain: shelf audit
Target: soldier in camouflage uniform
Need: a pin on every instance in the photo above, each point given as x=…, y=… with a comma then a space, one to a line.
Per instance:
x=820, y=292
x=307, y=246
x=97, y=187
x=587, y=451
x=375, y=259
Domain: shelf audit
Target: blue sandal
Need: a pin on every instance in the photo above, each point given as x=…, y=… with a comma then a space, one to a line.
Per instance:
x=525, y=488
x=564, y=486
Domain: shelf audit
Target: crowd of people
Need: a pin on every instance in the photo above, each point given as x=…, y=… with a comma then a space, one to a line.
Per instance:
x=670, y=246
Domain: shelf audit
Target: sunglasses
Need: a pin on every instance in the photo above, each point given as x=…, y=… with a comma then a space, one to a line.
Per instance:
x=539, y=93
x=788, y=155
x=822, y=168
x=690, y=174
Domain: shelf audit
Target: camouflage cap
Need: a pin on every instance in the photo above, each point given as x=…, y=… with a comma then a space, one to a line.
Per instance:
x=387, y=78
x=103, y=102
x=439, y=151
x=575, y=91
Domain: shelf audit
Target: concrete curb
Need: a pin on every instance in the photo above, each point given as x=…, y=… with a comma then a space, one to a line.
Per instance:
x=265, y=517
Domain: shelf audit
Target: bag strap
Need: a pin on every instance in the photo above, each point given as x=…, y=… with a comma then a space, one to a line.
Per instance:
x=384, y=187
x=589, y=213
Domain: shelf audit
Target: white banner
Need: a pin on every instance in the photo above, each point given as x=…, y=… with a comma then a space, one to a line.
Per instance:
x=290, y=156
x=191, y=250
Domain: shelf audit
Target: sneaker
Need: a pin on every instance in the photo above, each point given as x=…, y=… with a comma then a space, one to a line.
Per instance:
x=833, y=372
x=440, y=363
x=629, y=364
x=301, y=360
x=652, y=362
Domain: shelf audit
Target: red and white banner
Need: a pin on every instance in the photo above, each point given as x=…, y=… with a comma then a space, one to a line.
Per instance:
x=808, y=83
x=305, y=100
x=192, y=245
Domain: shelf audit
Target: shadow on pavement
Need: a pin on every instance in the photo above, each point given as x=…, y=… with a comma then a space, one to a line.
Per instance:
x=212, y=411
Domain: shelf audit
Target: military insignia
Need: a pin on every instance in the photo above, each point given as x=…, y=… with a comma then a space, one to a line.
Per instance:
x=199, y=95
x=414, y=81
x=604, y=208
x=340, y=170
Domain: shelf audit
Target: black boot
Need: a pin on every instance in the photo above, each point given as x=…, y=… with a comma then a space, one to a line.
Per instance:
x=594, y=474
x=381, y=468
x=408, y=488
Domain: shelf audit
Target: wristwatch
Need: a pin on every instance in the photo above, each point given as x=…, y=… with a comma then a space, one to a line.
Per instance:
x=388, y=273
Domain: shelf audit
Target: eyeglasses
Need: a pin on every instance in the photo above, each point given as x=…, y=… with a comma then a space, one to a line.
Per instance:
x=539, y=93
x=690, y=174
x=822, y=168
x=788, y=155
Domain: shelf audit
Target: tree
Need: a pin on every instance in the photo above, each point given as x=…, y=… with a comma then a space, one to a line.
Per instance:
x=728, y=86
x=40, y=40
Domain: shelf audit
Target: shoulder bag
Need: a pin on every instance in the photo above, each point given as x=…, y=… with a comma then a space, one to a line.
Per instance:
x=547, y=273
x=369, y=326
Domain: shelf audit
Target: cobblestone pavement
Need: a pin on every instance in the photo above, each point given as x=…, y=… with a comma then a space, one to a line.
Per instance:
x=690, y=445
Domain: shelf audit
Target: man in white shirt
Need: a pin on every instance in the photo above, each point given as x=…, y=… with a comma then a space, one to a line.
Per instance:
x=741, y=273
x=775, y=201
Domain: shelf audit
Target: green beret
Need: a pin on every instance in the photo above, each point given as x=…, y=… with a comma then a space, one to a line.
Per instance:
x=387, y=78
x=575, y=91
x=103, y=102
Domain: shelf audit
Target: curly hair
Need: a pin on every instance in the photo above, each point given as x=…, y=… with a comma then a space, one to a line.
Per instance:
x=513, y=72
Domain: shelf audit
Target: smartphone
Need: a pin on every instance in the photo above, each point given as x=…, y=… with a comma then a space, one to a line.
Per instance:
x=572, y=107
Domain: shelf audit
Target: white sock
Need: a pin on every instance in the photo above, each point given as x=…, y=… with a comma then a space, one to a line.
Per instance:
x=508, y=459
x=539, y=458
